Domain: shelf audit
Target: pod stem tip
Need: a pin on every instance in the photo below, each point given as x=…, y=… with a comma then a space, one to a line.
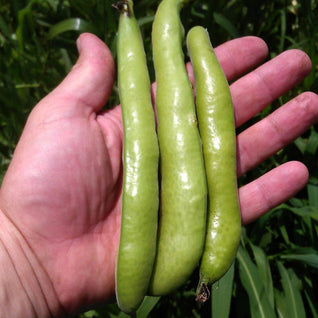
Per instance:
x=202, y=293
x=124, y=6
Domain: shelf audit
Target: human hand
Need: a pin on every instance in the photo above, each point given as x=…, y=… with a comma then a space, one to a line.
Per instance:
x=62, y=191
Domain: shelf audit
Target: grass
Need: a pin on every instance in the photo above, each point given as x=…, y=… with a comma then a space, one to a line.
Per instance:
x=276, y=269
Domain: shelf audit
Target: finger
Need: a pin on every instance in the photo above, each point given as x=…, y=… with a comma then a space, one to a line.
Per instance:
x=278, y=129
x=241, y=55
x=89, y=84
x=272, y=189
x=256, y=90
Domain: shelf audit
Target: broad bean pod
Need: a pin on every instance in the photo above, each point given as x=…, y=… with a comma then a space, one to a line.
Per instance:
x=140, y=197
x=217, y=129
x=183, y=196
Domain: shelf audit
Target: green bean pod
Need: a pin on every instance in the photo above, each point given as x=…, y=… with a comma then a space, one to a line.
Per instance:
x=140, y=197
x=183, y=185
x=217, y=129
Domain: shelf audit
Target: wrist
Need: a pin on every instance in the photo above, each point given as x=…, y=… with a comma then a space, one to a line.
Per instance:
x=25, y=289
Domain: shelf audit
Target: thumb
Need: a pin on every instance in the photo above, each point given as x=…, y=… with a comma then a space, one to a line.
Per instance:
x=89, y=84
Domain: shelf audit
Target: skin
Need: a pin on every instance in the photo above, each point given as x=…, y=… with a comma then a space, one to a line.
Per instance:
x=183, y=186
x=140, y=198
x=217, y=130
x=46, y=207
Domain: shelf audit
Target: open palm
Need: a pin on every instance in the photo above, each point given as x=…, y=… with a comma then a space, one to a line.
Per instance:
x=62, y=190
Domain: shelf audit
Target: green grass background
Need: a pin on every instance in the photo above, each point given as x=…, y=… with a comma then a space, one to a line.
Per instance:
x=275, y=273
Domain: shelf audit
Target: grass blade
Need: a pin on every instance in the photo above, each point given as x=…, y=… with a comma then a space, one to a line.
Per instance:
x=145, y=308
x=73, y=24
x=312, y=144
x=226, y=24
x=311, y=306
x=312, y=189
x=265, y=271
x=282, y=305
x=304, y=211
x=222, y=295
x=291, y=293
x=254, y=286
x=147, y=305
x=306, y=255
